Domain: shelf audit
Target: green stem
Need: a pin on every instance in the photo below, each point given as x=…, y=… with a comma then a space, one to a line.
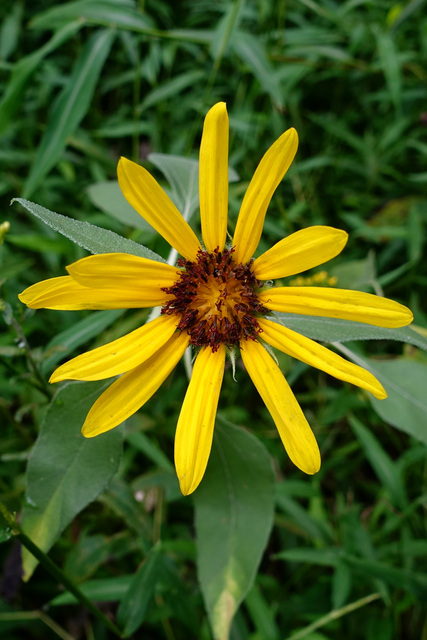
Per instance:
x=13, y=616
x=55, y=571
x=42, y=384
x=334, y=615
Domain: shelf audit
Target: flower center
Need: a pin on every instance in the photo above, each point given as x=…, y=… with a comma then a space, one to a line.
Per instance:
x=216, y=300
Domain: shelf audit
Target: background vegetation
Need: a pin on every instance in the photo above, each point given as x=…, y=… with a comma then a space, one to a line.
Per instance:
x=85, y=82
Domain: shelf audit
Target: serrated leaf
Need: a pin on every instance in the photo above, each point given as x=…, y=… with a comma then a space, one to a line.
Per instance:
x=234, y=505
x=134, y=605
x=66, y=471
x=70, y=107
x=86, y=235
x=336, y=330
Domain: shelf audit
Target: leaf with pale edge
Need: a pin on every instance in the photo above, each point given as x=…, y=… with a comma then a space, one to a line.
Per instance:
x=234, y=516
x=92, y=238
x=66, y=471
x=336, y=330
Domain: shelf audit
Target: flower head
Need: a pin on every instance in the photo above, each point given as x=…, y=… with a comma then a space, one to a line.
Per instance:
x=215, y=299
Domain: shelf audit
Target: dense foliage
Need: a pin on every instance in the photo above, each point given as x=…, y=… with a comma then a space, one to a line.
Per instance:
x=84, y=82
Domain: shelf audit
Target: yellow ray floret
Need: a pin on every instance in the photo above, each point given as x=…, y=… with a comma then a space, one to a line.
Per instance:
x=266, y=178
x=130, y=392
x=300, y=251
x=118, y=356
x=315, y=355
x=213, y=177
x=122, y=271
x=337, y=303
x=293, y=428
x=193, y=438
x=67, y=294
x=145, y=195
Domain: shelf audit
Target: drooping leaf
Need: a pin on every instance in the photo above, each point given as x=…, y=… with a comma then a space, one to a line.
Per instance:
x=66, y=471
x=234, y=515
x=86, y=235
x=70, y=107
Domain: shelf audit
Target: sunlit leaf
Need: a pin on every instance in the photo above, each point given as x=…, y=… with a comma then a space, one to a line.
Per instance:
x=86, y=235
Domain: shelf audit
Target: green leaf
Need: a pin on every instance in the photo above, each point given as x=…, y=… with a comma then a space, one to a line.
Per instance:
x=99, y=590
x=386, y=470
x=79, y=333
x=411, y=581
x=406, y=406
x=86, y=235
x=183, y=177
x=108, y=197
x=134, y=605
x=109, y=13
x=70, y=107
x=24, y=69
x=66, y=471
x=251, y=51
x=335, y=330
x=234, y=515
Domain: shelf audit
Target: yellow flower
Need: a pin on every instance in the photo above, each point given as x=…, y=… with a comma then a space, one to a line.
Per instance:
x=215, y=299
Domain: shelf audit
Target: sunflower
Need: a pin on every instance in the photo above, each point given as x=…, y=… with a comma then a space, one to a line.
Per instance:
x=216, y=299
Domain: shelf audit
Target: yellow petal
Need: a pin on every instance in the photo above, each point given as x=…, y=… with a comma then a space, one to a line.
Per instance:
x=145, y=195
x=127, y=394
x=266, y=178
x=122, y=271
x=308, y=351
x=119, y=356
x=67, y=294
x=293, y=428
x=213, y=177
x=300, y=251
x=337, y=303
x=193, y=439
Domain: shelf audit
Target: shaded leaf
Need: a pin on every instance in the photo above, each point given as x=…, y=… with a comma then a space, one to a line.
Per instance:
x=66, y=471
x=134, y=605
x=234, y=505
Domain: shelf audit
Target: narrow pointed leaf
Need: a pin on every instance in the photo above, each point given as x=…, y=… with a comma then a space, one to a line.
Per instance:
x=134, y=605
x=70, y=107
x=86, y=235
